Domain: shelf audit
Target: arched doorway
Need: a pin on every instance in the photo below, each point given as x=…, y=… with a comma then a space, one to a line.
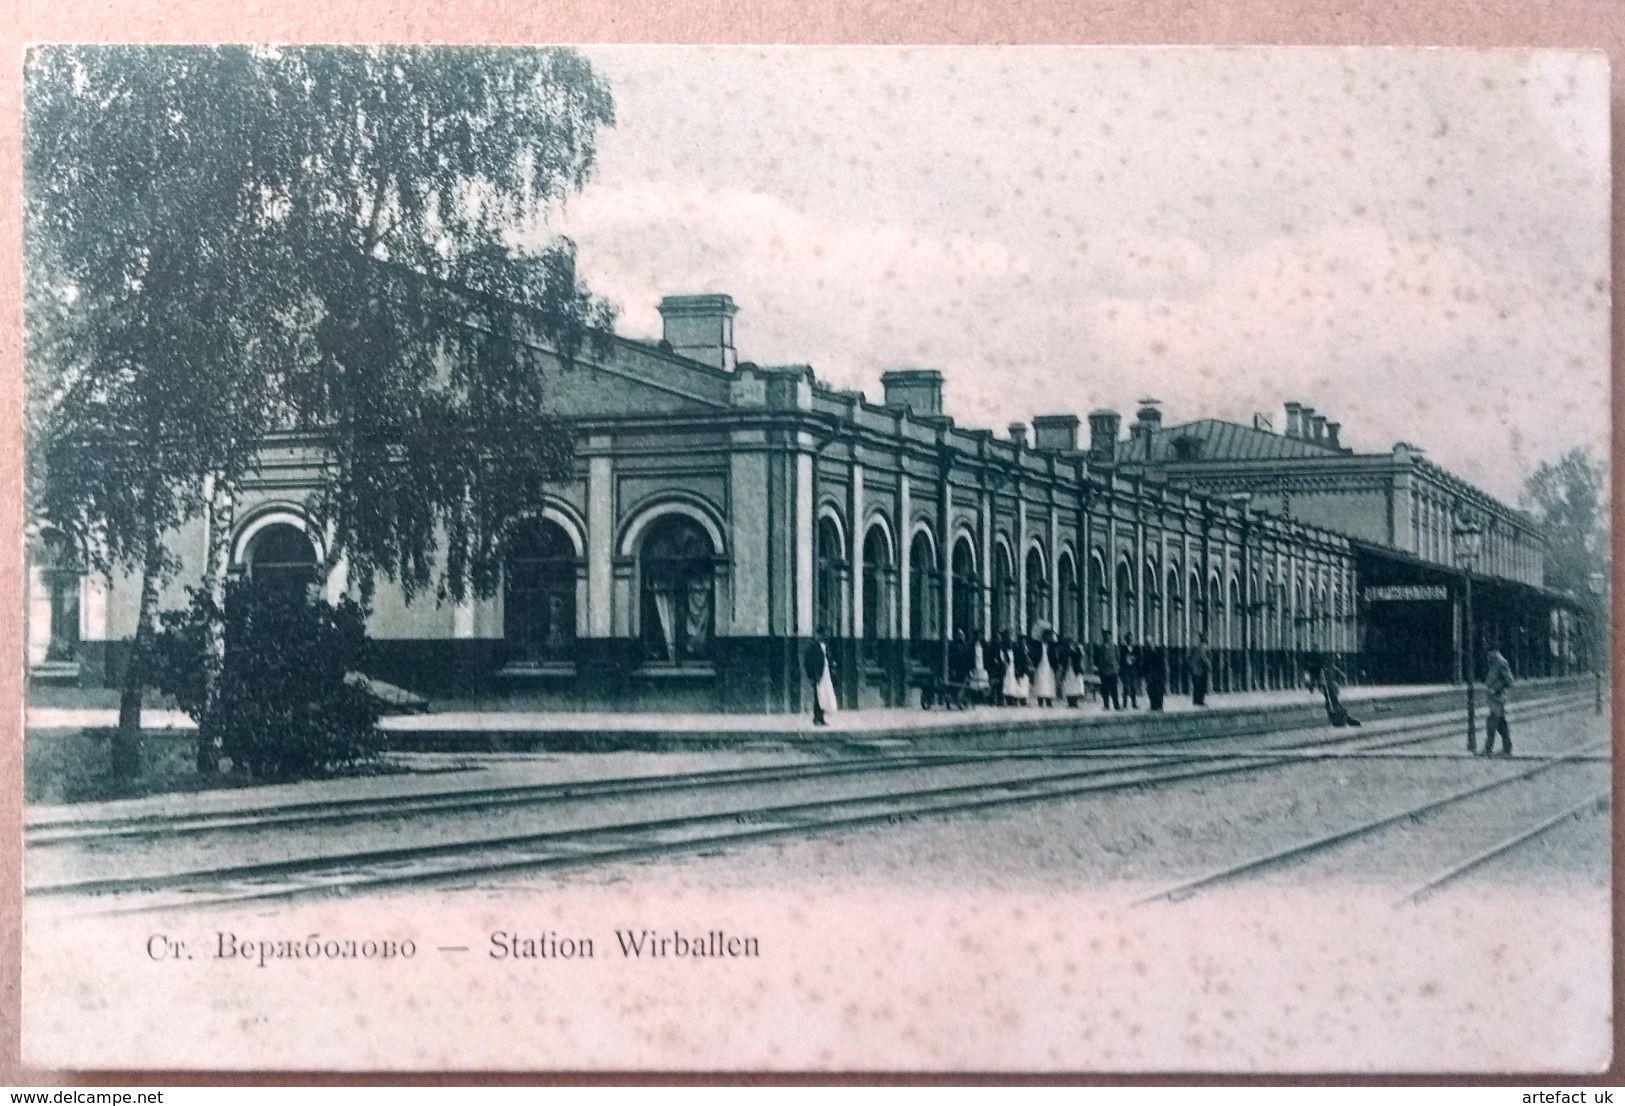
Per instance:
x=1004, y=591
x=877, y=581
x=1126, y=599
x=1096, y=599
x=1071, y=599
x=924, y=590
x=967, y=589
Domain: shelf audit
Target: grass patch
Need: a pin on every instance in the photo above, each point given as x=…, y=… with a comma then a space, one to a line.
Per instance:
x=74, y=766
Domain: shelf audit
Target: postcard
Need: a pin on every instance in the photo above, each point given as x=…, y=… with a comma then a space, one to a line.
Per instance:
x=795, y=559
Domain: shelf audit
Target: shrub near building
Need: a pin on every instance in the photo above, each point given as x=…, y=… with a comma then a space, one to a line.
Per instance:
x=285, y=706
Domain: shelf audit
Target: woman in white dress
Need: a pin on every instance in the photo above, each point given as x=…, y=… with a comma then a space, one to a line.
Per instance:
x=1024, y=672
x=1012, y=690
x=1044, y=673
x=977, y=680
x=1072, y=673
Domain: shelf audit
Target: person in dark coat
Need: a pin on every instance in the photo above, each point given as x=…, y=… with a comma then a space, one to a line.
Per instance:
x=1497, y=682
x=1128, y=676
x=1106, y=667
x=1154, y=667
x=1200, y=666
x=816, y=664
x=959, y=658
x=998, y=662
x=1331, y=684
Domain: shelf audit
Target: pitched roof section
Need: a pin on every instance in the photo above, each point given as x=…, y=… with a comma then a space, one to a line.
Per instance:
x=1221, y=441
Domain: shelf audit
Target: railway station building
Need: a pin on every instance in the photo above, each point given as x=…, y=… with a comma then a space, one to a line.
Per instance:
x=1402, y=514
x=723, y=512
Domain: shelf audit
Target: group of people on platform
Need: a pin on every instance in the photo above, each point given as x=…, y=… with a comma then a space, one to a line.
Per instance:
x=1041, y=669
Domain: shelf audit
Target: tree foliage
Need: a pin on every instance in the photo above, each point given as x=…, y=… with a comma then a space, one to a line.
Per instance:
x=1568, y=498
x=228, y=241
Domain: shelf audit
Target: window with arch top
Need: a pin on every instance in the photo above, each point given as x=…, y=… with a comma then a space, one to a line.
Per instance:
x=924, y=591
x=827, y=597
x=677, y=563
x=1037, y=592
x=53, y=631
x=281, y=562
x=539, y=593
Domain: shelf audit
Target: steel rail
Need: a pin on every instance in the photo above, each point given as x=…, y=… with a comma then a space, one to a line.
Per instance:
x=363, y=808
x=1599, y=801
x=1302, y=849
x=794, y=818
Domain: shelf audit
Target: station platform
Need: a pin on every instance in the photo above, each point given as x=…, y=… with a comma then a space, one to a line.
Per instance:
x=448, y=729
x=453, y=752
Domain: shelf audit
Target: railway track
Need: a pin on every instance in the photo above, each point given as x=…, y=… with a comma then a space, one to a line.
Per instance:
x=1302, y=850
x=1598, y=802
x=339, y=811
x=638, y=839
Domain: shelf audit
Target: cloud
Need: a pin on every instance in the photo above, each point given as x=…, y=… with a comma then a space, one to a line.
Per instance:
x=839, y=294
x=1399, y=336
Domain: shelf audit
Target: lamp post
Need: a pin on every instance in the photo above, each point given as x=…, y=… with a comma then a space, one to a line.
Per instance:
x=1468, y=540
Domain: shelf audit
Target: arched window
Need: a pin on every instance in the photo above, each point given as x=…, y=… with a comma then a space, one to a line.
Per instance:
x=1126, y=600
x=1098, y=594
x=1175, y=605
x=678, y=567
x=539, y=593
x=1004, y=591
x=1234, y=614
x=1196, y=600
x=282, y=561
x=1071, y=599
x=1037, y=590
x=830, y=562
x=1152, y=601
x=53, y=619
x=877, y=579
x=1214, y=625
x=967, y=587
x=924, y=590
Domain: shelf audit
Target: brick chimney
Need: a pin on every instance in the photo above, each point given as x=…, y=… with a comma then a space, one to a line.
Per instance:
x=1147, y=421
x=1294, y=420
x=1018, y=434
x=1332, y=430
x=1318, y=429
x=919, y=390
x=1057, y=432
x=1103, y=427
x=701, y=328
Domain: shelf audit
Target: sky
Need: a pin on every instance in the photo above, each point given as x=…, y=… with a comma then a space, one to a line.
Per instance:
x=1413, y=242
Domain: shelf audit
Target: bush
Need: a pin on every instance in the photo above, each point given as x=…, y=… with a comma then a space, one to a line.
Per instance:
x=284, y=708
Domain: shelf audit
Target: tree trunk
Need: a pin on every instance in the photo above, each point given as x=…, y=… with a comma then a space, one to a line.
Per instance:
x=222, y=512
x=127, y=740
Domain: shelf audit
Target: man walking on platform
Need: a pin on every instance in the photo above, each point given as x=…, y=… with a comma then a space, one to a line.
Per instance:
x=1199, y=672
x=1497, y=682
x=1128, y=663
x=1106, y=668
